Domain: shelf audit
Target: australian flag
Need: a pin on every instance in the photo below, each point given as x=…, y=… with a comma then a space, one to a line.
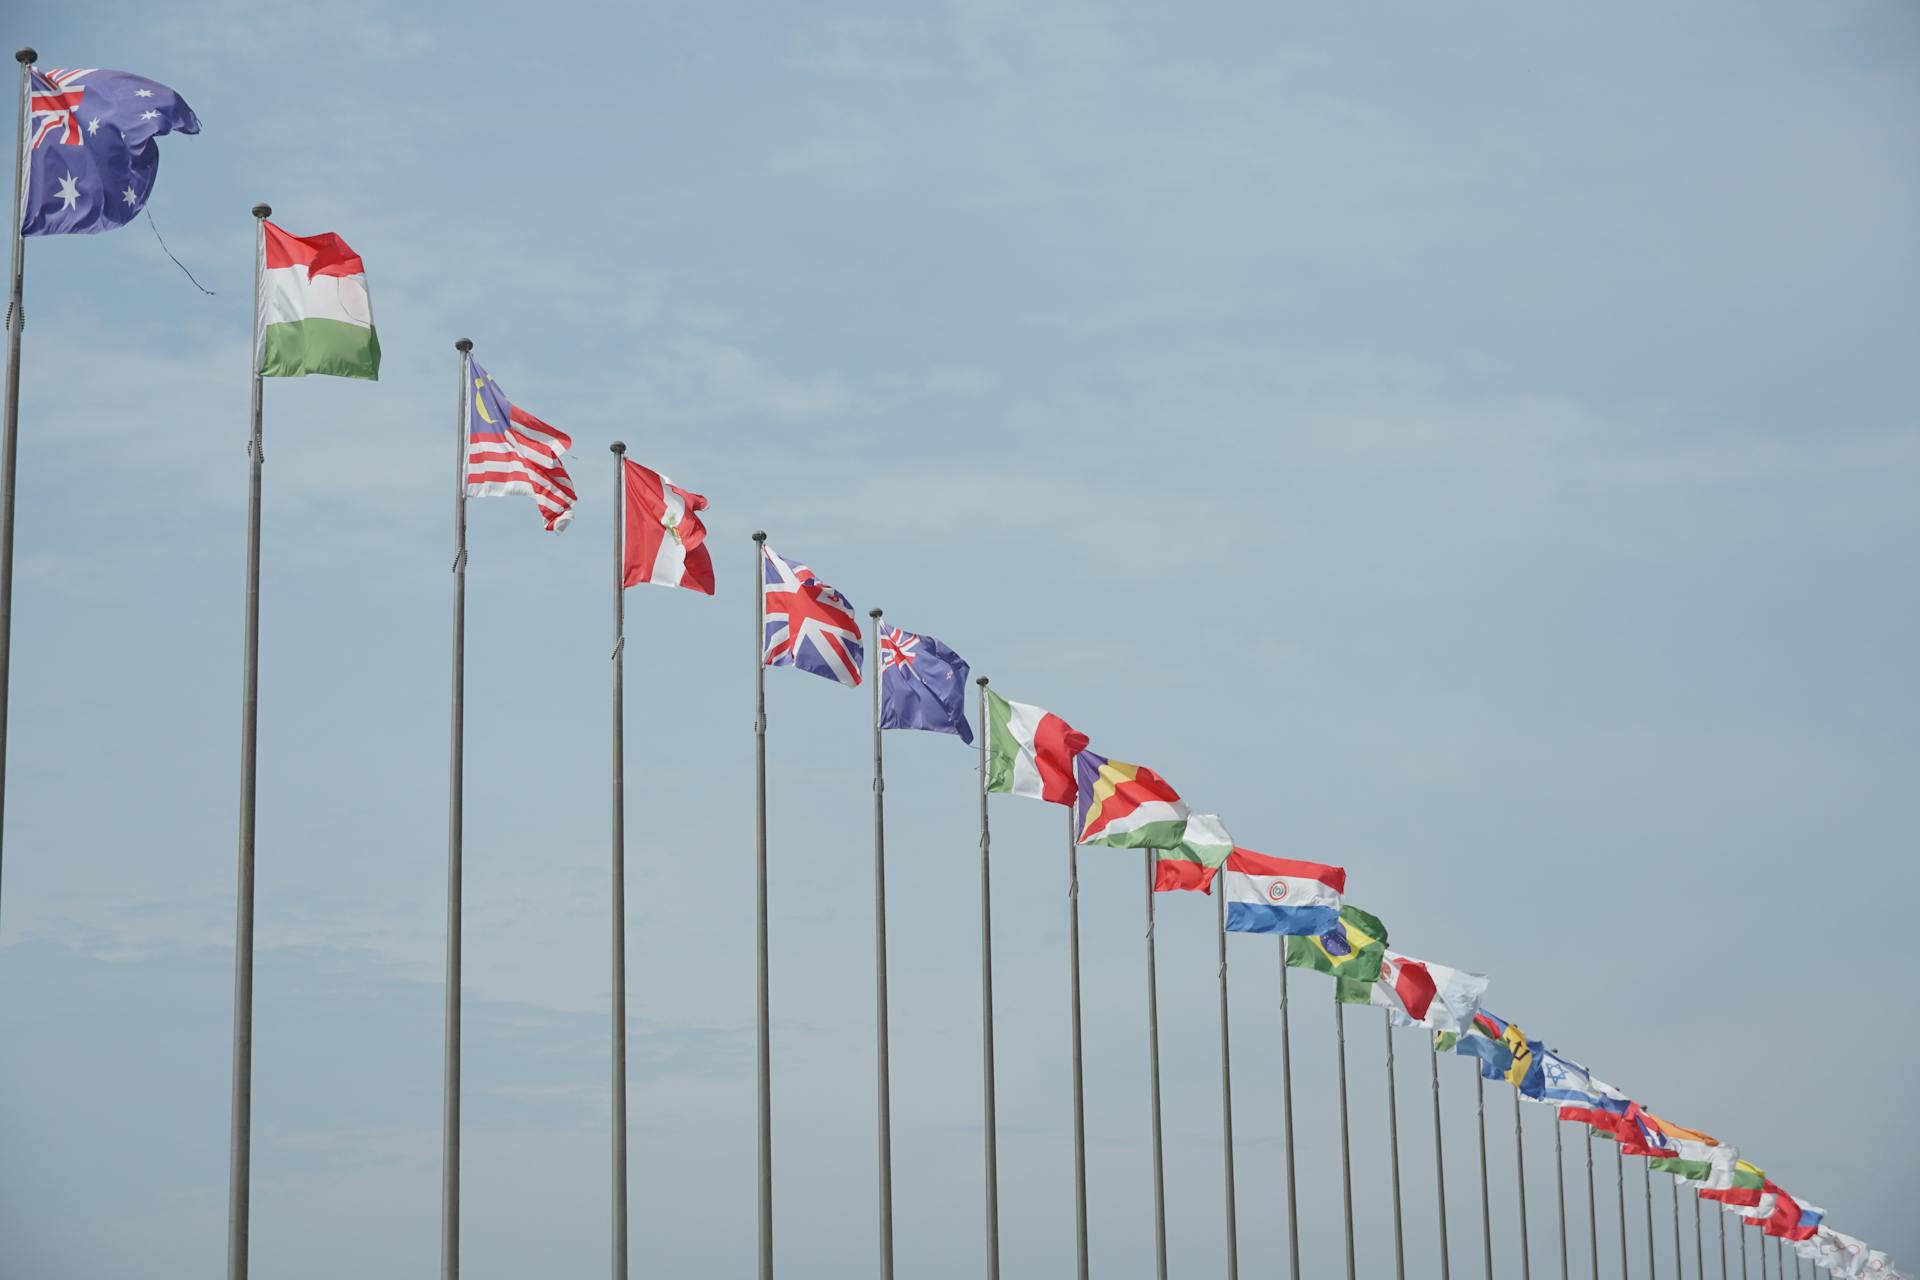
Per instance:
x=923, y=684
x=91, y=154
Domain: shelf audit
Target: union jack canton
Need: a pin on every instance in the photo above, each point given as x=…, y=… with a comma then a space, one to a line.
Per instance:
x=809, y=624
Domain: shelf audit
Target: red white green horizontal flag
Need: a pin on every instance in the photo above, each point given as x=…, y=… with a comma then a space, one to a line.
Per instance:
x=313, y=309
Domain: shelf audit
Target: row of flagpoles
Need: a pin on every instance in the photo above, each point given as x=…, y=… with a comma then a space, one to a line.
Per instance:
x=312, y=316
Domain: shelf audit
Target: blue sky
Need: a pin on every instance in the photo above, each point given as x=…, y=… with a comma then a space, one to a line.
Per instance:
x=1476, y=448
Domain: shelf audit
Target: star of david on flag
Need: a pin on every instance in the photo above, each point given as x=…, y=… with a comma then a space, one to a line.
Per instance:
x=923, y=684
x=809, y=625
x=90, y=153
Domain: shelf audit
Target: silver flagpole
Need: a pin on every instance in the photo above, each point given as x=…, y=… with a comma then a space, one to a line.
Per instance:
x=883, y=1084
x=1743, y=1250
x=1593, y=1217
x=1679, y=1269
x=240, y=1148
x=1286, y=1107
x=1226, y=1092
x=761, y=1036
x=456, y=783
x=1620, y=1191
x=1346, y=1154
x=1079, y=1096
x=9, y=450
x=1699, y=1241
x=619, y=862
x=1486, y=1208
x=986, y=1008
x=1560, y=1193
x=1721, y=1218
x=1153, y=1082
x=1646, y=1181
x=1439, y=1158
x=1520, y=1174
x=1393, y=1150
x=1762, y=1251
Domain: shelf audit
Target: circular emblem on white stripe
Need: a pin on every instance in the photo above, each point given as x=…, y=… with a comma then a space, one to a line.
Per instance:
x=1277, y=891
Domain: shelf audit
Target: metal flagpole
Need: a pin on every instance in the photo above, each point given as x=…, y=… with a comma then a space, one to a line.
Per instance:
x=1153, y=1081
x=1699, y=1242
x=456, y=775
x=1393, y=1149
x=1679, y=1269
x=9, y=449
x=240, y=1149
x=1226, y=1093
x=1286, y=1107
x=619, y=863
x=1079, y=1097
x=986, y=1008
x=1346, y=1155
x=761, y=1037
x=1620, y=1191
x=1560, y=1193
x=882, y=1073
x=1593, y=1217
x=1520, y=1171
x=1721, y=1218
x=1486, y=1209
x=1646, y=1180
x=1439, y=1158
x=1743, y=1247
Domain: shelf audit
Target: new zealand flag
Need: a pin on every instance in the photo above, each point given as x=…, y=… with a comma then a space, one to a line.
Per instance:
x=923, y=684
x=91, y=154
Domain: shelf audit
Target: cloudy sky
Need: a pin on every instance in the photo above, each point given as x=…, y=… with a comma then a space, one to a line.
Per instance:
x=1475, y=446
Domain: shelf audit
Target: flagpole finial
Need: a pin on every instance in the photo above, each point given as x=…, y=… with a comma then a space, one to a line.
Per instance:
x=759, y=535
x=263, y=210
x=26, y=57
x=463, y=345
x=981, y=681
x=873, y=613
x=618, y=446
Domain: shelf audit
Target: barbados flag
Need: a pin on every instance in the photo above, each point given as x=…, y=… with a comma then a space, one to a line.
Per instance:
x=1127, y=806
x=1352, y=948
x=1502, y=1049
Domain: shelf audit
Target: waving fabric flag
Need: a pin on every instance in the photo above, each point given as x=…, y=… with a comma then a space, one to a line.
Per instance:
x=1741, y=1185
x=1281, y=895
x=91, y=157
x=1456, y=996
x=809, y=624
x=1556, y=1080
x=1693, y=1151
x=666, y=541
x=1501, y=1047
x=511, y=451
x=314, y=312
x=1352, y=948
x=1030, y=752
x=1640, y=1134
x=1405, y=986
x=1203, y=849
x=923, y=684
x=1127, y=806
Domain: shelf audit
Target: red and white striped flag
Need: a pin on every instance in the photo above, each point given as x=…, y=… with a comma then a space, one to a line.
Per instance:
x=511, y=451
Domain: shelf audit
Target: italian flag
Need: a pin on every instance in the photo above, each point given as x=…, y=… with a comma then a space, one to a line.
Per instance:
x=1196, y=860
x=314, y=314
x=1030, y=752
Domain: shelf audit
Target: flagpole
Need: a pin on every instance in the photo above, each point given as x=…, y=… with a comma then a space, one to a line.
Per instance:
x=1699, y=1242
x=1560, y=1192
x=1393, y=1148
x=1520, y=1173
x=1286, y=1107
x=240, y=1148
x=761, y=1036
x=9, y=450
x=1153, y=1082
x=1593, y=1215
x=1079, y=1096
x=456, y=790
x=1743, y=1250
x=1346, y=1155
x=882, y=1074
x=1646, y=1181
x=1439, y=1159
x=986, y=1007
x=1679, y=1268
x=1226, y=1092
x=1486, y=1209
x=1721, y=1218
x=619, y=862
x=1620, y=1190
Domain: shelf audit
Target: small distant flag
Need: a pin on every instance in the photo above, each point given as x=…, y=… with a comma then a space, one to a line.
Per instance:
x=1419, y=993
x=1352, y=948
x=91, y=158
x=923, y=684
x=1030, y=751
x=666, y=542
x=1204, y=847
x=1558, y=1081
x=1501, y=1047
x=1281, y=895
x=1127, y=806
x=810, y=625
x=1739, y=1185
x=511, y=451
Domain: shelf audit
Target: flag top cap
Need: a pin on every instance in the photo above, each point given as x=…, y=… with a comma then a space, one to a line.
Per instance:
x=618, y=446
x=873, y=613
x=463, y=345
x=981, y=681
x=759, y=535
x=263, y=210
x=27, y=56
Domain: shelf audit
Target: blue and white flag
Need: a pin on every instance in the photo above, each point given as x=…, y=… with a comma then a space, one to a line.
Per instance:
x=923, y=684
x=90, y=150
x=1561, y=1082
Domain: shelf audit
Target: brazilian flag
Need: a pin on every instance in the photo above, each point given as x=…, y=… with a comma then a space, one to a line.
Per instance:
x=1351, y=950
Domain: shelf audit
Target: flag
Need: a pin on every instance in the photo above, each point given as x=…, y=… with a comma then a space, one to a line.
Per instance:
x=666, y=541
x=91, y=158
x=1808, y=1225
x=923, y=684
x=1456, y=995
x=1558, y=1081
x=1030, y=752
x=1739, y=1186
x=1281, y=895
x=511, y=451
x=1352, y=948
x=1203, y=848
x=1639, y=1135
x=1127, y=806
x=1603, y=1107
x=1840, y=1253
x=809, y=624
x=1693, y=1151
x=1501, y=1047
x=1404, y=986
x=314, y=313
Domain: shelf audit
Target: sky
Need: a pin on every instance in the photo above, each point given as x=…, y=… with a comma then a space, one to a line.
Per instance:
x=1475, y=447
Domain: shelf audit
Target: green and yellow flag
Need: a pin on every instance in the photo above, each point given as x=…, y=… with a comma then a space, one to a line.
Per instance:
x=1352, y=949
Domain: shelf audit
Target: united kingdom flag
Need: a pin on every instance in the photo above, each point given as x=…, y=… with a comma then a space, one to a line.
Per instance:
x=809, y=624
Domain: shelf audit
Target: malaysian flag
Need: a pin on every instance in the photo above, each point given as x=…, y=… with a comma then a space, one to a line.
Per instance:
x=809, y=624
x=511, y=451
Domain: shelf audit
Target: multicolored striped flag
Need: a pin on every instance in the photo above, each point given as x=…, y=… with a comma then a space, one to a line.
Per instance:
x=313, y=313
x=511, y=451
x=809, y=625
x=1202, y=850
x=1127, y=806
x=1281, y=895
x=1030, y=751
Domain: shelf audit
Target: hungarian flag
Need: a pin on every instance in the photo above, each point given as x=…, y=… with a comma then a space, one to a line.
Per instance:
x=314, y=313
x=664, y=541
x=1352, y=948
x=1127, y=806
x=1193, y=863
x=1281, y=895
x=1030, y=752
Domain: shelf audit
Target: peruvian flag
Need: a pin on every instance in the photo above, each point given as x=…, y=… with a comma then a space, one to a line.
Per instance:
x=1405, y=984
x=665, y=542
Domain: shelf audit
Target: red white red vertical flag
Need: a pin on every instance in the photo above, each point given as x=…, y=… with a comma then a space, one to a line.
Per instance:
x=666, y=541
